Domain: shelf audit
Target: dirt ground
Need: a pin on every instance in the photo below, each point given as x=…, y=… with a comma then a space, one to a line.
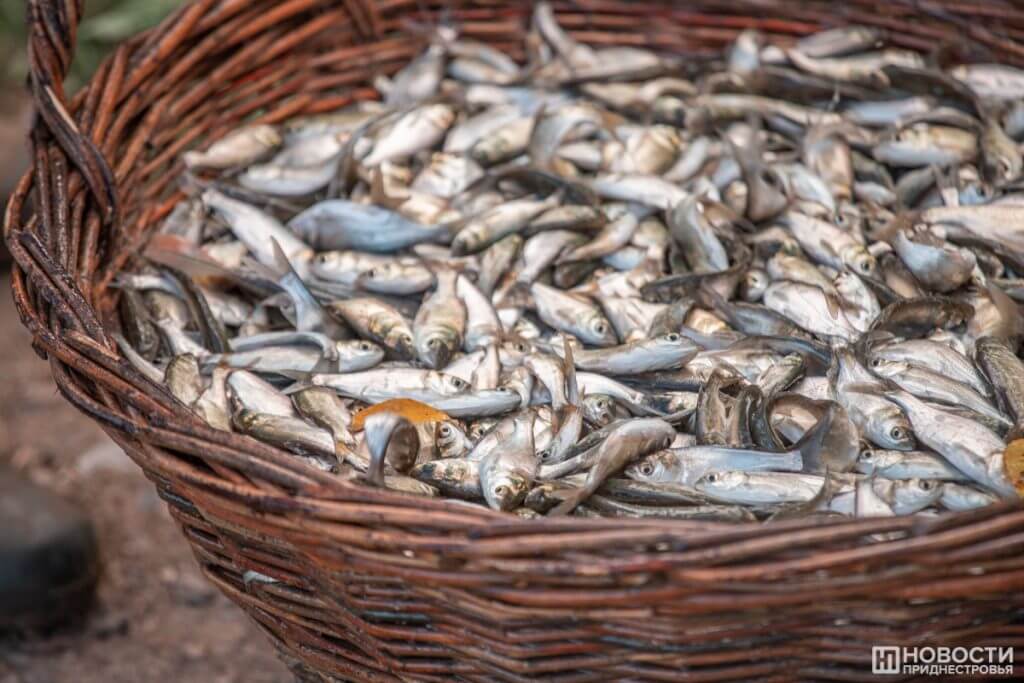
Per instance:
x=156, y=618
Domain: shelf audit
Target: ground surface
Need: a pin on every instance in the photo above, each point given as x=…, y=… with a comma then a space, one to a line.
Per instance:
x=156, y=619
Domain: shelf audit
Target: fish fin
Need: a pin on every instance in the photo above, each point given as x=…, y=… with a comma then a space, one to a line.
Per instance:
x=825, y=494
x=518, y=295
x=538, y=116
x=281, y=262
x=300, y=380
x=176, y=252
x=379, y=193
x=216, y=361
x=833, y=305
x=707, y=296
x=811, y=444
x=296, y=387
x=748, y=155
x=572, y=388
x=832, y=375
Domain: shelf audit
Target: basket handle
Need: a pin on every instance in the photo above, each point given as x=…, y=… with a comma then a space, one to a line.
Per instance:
x=52, y=29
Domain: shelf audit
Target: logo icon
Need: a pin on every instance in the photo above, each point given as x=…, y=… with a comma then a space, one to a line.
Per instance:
x=885, y=659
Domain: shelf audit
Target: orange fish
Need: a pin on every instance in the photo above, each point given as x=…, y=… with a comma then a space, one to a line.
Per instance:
x=413, y=411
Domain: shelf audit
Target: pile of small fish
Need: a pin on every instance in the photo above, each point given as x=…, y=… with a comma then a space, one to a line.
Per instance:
x=608, y=282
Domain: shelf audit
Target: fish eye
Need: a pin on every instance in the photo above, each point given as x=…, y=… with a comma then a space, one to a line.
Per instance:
x=445, y=430
x=434, y=343
x=646, y=469
x=866, y=265
x=365, y=346
x=600, y=327
x=711, y=478
x=897, y=433
x=672, y=337
x=867, y=453
x=521, y=347
x=926, y=484
x=458, y=383
x=501, y=491
x=876, y=362
x=371, y=273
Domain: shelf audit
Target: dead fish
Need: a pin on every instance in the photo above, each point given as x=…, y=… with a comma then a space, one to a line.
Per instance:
x=632, y=440
x=239, y=148
x=782, y=282
x=440, y=323
x=341, y=224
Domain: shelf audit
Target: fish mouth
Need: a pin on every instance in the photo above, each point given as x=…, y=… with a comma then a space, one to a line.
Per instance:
x=508, y=494
x=436, y=352
x=402, y=348
x=503, y=498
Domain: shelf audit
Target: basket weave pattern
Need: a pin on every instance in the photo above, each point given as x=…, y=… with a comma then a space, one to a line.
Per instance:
x=372, y=585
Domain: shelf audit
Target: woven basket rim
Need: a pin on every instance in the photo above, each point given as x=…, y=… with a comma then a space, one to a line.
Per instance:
x=373, y=585
x=35, y=264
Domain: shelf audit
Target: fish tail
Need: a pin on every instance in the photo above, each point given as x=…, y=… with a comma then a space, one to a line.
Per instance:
x=570, y=502
x=518, y=294
x=811, y=444
x=797, y=510
x=708, y=297
x=281, y=263
x=300, y=380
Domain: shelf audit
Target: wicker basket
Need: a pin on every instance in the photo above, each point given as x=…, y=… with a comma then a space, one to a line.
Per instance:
x=372, y=585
